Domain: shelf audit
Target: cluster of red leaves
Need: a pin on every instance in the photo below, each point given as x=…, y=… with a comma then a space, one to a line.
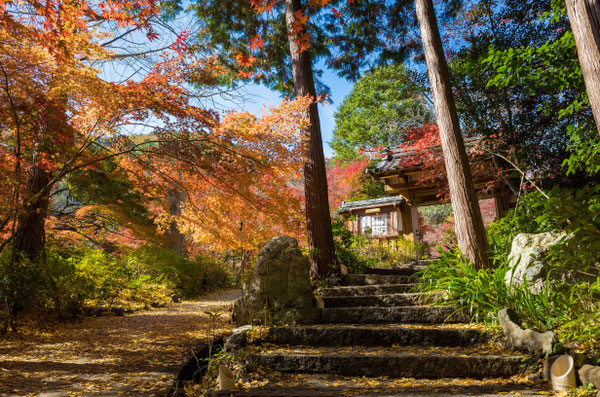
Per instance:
x=345, y=180
x=421, y=150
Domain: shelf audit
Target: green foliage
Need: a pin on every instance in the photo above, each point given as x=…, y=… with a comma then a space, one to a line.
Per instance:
x=436, y=215
x=548, y=75
x=522, y=220
x=190, y=277
x=572, y=310
x=570, y=301
x=347, y=246
x=381, y=104
x=54, y=284
x=360, y=253
x=577, y=214
x=66, y=280
x=518, y=83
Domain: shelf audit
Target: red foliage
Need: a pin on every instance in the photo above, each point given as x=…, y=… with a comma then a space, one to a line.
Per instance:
x=344, y=180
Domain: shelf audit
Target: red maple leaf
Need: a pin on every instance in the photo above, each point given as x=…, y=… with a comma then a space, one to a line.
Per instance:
x=256, y=42
x=300, y=17
x=245, y=60
x=303, y=42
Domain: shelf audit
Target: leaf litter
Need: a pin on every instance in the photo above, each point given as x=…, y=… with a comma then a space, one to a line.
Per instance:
x=138, y=354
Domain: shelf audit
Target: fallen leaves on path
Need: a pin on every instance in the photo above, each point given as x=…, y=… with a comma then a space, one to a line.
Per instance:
x=138, y=354
x=287, y=384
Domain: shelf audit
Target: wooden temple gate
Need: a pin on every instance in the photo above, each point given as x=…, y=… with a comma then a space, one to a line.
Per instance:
x=396, y=216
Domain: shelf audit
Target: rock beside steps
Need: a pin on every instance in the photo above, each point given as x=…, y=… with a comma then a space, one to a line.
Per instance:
x=373, y=327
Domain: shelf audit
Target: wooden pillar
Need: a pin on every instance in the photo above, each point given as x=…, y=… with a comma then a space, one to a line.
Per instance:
x=407, y=224
x=500, y=204
x=414, y=217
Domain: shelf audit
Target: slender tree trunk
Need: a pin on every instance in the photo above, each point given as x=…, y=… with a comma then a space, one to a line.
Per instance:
x=584, y=16
x=176, y=238
x=469, y=228
x=30, y=234
x=318, y=219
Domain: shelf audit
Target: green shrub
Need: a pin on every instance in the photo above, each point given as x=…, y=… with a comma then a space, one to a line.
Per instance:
x=360, y=253
x=570, y=309
x=190, y=277
x=54, y=284
x=67, y=279
x=523, y=219
x=348, y=245
x=391, y=252
x=577, y=214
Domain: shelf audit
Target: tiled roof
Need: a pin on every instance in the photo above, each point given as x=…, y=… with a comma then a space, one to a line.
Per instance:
x=394, y=160
x=347, y=206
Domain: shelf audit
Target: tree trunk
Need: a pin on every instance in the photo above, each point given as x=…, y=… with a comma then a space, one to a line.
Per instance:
x=469, y=228
x=175, y=236
x=318, y=219
x=584, y=16
x=30, y=233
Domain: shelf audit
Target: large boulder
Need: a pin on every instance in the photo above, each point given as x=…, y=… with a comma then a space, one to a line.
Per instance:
x=527, y=260
x=281, y=291
x=590, y=374
x=524, y=339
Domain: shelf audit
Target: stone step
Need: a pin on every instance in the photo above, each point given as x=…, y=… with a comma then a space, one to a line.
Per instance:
x=396, y=314
x=386, y=335
x=363, y=290
x=394, y=271
x=405, y=299
x=395, y=363
x=373, y=279
x=328, y=385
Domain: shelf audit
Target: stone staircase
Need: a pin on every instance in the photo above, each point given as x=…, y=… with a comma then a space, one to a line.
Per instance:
x=373, y=327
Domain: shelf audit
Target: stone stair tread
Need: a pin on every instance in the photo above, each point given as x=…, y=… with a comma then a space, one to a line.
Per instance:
x=321, y=385
x=405, y=270
x=399, y=361
x=373, y=279
x=487, y=349
x=354, y=335
x=361, y=290
x=465, y=326
x=398, y=299
x=392, y=314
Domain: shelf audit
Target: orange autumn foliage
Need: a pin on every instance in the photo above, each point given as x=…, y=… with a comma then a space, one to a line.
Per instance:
x=234, y=181
x=59, y=115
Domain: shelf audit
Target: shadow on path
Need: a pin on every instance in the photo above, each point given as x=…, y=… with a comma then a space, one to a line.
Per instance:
x=138, y=354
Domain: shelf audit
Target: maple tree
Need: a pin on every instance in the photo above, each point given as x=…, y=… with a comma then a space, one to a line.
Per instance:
x=60, y=118
x=345, y=180
x=234, y=185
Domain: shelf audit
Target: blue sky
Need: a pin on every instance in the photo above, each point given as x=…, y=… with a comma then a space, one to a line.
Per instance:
x=261, y=96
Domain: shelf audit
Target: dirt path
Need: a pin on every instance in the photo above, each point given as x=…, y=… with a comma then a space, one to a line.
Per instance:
x=138, y=354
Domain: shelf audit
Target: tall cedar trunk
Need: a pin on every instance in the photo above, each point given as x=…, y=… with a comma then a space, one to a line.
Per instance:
x=30, y=234
x=469, y=228
x=318, y=219
x=584, y=16
x=175, y=198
